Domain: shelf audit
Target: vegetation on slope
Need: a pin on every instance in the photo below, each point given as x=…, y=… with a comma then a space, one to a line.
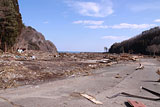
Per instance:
x=148, y=42
x=10, y=23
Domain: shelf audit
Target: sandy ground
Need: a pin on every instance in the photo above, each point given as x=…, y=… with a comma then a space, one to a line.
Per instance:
x=102, y=83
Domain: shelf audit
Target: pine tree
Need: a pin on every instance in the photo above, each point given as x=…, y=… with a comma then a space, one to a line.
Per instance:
x=10, y=23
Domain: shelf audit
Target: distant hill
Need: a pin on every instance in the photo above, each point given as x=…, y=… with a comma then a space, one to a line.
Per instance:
x=148, y=42
x=14, y=34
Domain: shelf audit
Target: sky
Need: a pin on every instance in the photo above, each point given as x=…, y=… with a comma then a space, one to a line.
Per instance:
x=89, y=25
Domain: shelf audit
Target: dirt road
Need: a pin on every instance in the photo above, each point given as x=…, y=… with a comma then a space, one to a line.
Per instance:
x=102, y=83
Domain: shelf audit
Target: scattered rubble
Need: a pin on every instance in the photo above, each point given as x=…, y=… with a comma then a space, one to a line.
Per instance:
x=32, y=67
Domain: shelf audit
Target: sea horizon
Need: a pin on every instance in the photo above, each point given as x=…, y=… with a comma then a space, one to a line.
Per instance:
x=79, y=52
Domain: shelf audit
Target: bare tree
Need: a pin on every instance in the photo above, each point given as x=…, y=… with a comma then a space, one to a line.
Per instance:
x=105, y=49
x=153, y=49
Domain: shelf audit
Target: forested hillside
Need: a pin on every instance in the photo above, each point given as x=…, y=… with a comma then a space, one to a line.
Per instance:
x=148, y=42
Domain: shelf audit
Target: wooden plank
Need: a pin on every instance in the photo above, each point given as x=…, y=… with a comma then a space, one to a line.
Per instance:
x=91, y=98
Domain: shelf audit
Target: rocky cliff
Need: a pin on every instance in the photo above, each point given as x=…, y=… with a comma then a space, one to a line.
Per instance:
x=14, y=35
x=30, y=39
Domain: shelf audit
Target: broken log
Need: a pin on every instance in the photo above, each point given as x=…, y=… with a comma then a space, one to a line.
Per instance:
x=140, y=67
x=91, y=98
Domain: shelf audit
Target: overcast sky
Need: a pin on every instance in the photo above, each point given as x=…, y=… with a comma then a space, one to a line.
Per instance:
x=89, y=25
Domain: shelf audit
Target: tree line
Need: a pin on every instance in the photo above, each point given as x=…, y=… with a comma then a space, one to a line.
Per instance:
x=148, y=42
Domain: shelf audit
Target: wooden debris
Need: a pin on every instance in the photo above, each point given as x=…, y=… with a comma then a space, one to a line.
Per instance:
x=150, y=91
x=30, y=66
x=135, y=58
x=134, y=96
x=111, y=63
x=158, y=72
x=118, y=76
x=136, y=104
x=140, y=67
x=104, y=61
x=91, y=98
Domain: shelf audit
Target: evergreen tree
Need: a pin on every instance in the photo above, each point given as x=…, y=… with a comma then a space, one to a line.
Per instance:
x=10, y=23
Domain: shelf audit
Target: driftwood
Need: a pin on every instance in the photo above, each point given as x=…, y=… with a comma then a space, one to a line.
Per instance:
x=136, y=96
x=91, y=98
x=140, y=67
x=158, y=72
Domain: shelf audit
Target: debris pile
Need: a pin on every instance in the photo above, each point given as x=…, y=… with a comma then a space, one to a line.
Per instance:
x=15, y=73
x=30, y=67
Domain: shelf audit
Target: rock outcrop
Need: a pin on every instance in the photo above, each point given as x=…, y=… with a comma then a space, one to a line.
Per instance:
x=14, y=35
x=30, y=39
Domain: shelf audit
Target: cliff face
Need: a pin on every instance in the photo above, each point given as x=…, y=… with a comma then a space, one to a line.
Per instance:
x=148, y=42
x=30, y=39
x=10, y=23
x=14, y=35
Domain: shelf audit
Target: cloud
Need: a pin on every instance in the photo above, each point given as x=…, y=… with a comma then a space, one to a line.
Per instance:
x=102, y=8
x=89, y=22
x=119, y=38
x=97, y=27
x=45, y=22
x=132, y=26
x=157, y=20
x=122, y=26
